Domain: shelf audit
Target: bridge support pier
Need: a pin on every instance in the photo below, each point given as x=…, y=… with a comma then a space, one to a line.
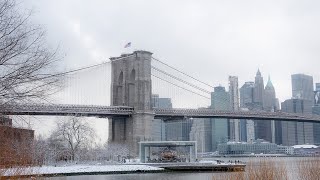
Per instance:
x=130, y=131
x=131, y=86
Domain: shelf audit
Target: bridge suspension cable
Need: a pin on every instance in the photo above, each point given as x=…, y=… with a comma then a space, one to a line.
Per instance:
x=182, y=72
x=181, y=80
x=84, y=68
x=180, y=87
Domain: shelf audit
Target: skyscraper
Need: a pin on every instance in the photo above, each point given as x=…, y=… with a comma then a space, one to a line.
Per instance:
x=302, y=87
x=246, y=103
x=234, y=106
x=164, y=129
x=220, y=100
x=246, y=95
x=316, y=110
x=269, y=97
x=317, y=86
x=294, y=133
x=202, y=133
x=262, y=128
x=269, y=104
x=301, y=102
x=258, y=91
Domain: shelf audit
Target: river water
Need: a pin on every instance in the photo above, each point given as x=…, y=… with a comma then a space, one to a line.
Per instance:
x=290, y=164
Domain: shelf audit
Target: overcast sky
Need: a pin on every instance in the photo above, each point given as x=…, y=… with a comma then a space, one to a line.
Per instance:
x=207, y=39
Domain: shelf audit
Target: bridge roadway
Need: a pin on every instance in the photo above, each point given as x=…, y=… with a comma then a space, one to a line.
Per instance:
x=166, y=114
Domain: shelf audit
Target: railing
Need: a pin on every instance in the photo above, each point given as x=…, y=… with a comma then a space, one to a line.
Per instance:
x=66, y=109
x=258, y=115
x=110, y=111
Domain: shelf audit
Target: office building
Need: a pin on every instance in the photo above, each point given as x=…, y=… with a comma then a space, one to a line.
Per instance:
x=201, y=132
x=161, y=130
x=234, y=124
x=258, y=91
x=302, y=87
x=220, y=100
x=316, y=110
x=247, y=104
x=295, y=133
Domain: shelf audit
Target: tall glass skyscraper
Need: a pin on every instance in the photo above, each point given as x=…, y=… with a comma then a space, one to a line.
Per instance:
x=316, y=110
x=295, y=133
x=234, y=124
x=220, y=100
x=302, y=87
x=246, y=103
x=162, y=129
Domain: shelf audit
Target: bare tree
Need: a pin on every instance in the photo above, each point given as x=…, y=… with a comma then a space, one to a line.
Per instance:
x=73, y=135
x=26, y=62
x=116, y=151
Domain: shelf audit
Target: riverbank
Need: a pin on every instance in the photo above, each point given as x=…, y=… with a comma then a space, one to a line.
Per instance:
x=76, y=170
x=73, y=170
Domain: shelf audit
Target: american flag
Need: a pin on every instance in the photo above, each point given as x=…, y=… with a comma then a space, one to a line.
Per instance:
x=127, y=45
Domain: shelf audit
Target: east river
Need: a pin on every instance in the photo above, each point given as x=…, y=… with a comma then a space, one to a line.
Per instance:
x=290, y=164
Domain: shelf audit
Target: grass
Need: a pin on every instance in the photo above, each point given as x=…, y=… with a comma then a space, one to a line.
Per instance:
x=261, y=170
x=309, y=169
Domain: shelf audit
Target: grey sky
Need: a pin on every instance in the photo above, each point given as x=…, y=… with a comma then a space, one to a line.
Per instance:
x=208, y=39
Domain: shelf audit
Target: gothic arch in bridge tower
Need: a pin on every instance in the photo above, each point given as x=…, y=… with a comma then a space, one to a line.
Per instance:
x=132, y=88
x=119, y=94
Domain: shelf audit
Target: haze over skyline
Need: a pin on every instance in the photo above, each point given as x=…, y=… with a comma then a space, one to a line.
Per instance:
x=222, y=38
x=209, y=40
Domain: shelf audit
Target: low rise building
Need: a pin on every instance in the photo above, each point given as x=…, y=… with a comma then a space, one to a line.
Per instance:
x=257, y=147
x=285, y=150
x=15, y=144
x=306, y=150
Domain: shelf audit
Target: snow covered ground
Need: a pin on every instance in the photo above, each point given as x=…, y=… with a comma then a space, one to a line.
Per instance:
x=73, y=169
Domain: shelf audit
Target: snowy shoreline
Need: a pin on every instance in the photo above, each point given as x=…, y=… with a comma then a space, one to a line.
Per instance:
x=50, y=171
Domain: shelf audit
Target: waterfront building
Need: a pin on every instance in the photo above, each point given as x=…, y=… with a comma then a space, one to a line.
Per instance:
x=306, y=150
x=285, y=150
x=257, y=147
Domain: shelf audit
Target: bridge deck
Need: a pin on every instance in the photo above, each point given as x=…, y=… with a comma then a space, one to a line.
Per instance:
x=166, y=114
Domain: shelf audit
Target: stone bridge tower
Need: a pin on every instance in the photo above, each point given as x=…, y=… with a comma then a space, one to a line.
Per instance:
x=131, y=86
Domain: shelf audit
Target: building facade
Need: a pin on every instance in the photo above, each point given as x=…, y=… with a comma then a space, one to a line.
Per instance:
x=256, y=147
x=220, y=100
x=302, y=86
x=295, y=133
x=316, y=110
x=234, y=124
x=16, y=144
x=247, y=104
x=201, y=132
x=258, y=91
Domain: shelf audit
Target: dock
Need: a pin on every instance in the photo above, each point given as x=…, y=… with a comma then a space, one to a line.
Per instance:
x=202, y=167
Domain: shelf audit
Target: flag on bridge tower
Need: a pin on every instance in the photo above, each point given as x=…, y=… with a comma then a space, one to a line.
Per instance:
x=127, y=45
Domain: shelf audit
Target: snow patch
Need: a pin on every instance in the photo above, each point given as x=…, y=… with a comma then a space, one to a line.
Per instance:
x=79, y=169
